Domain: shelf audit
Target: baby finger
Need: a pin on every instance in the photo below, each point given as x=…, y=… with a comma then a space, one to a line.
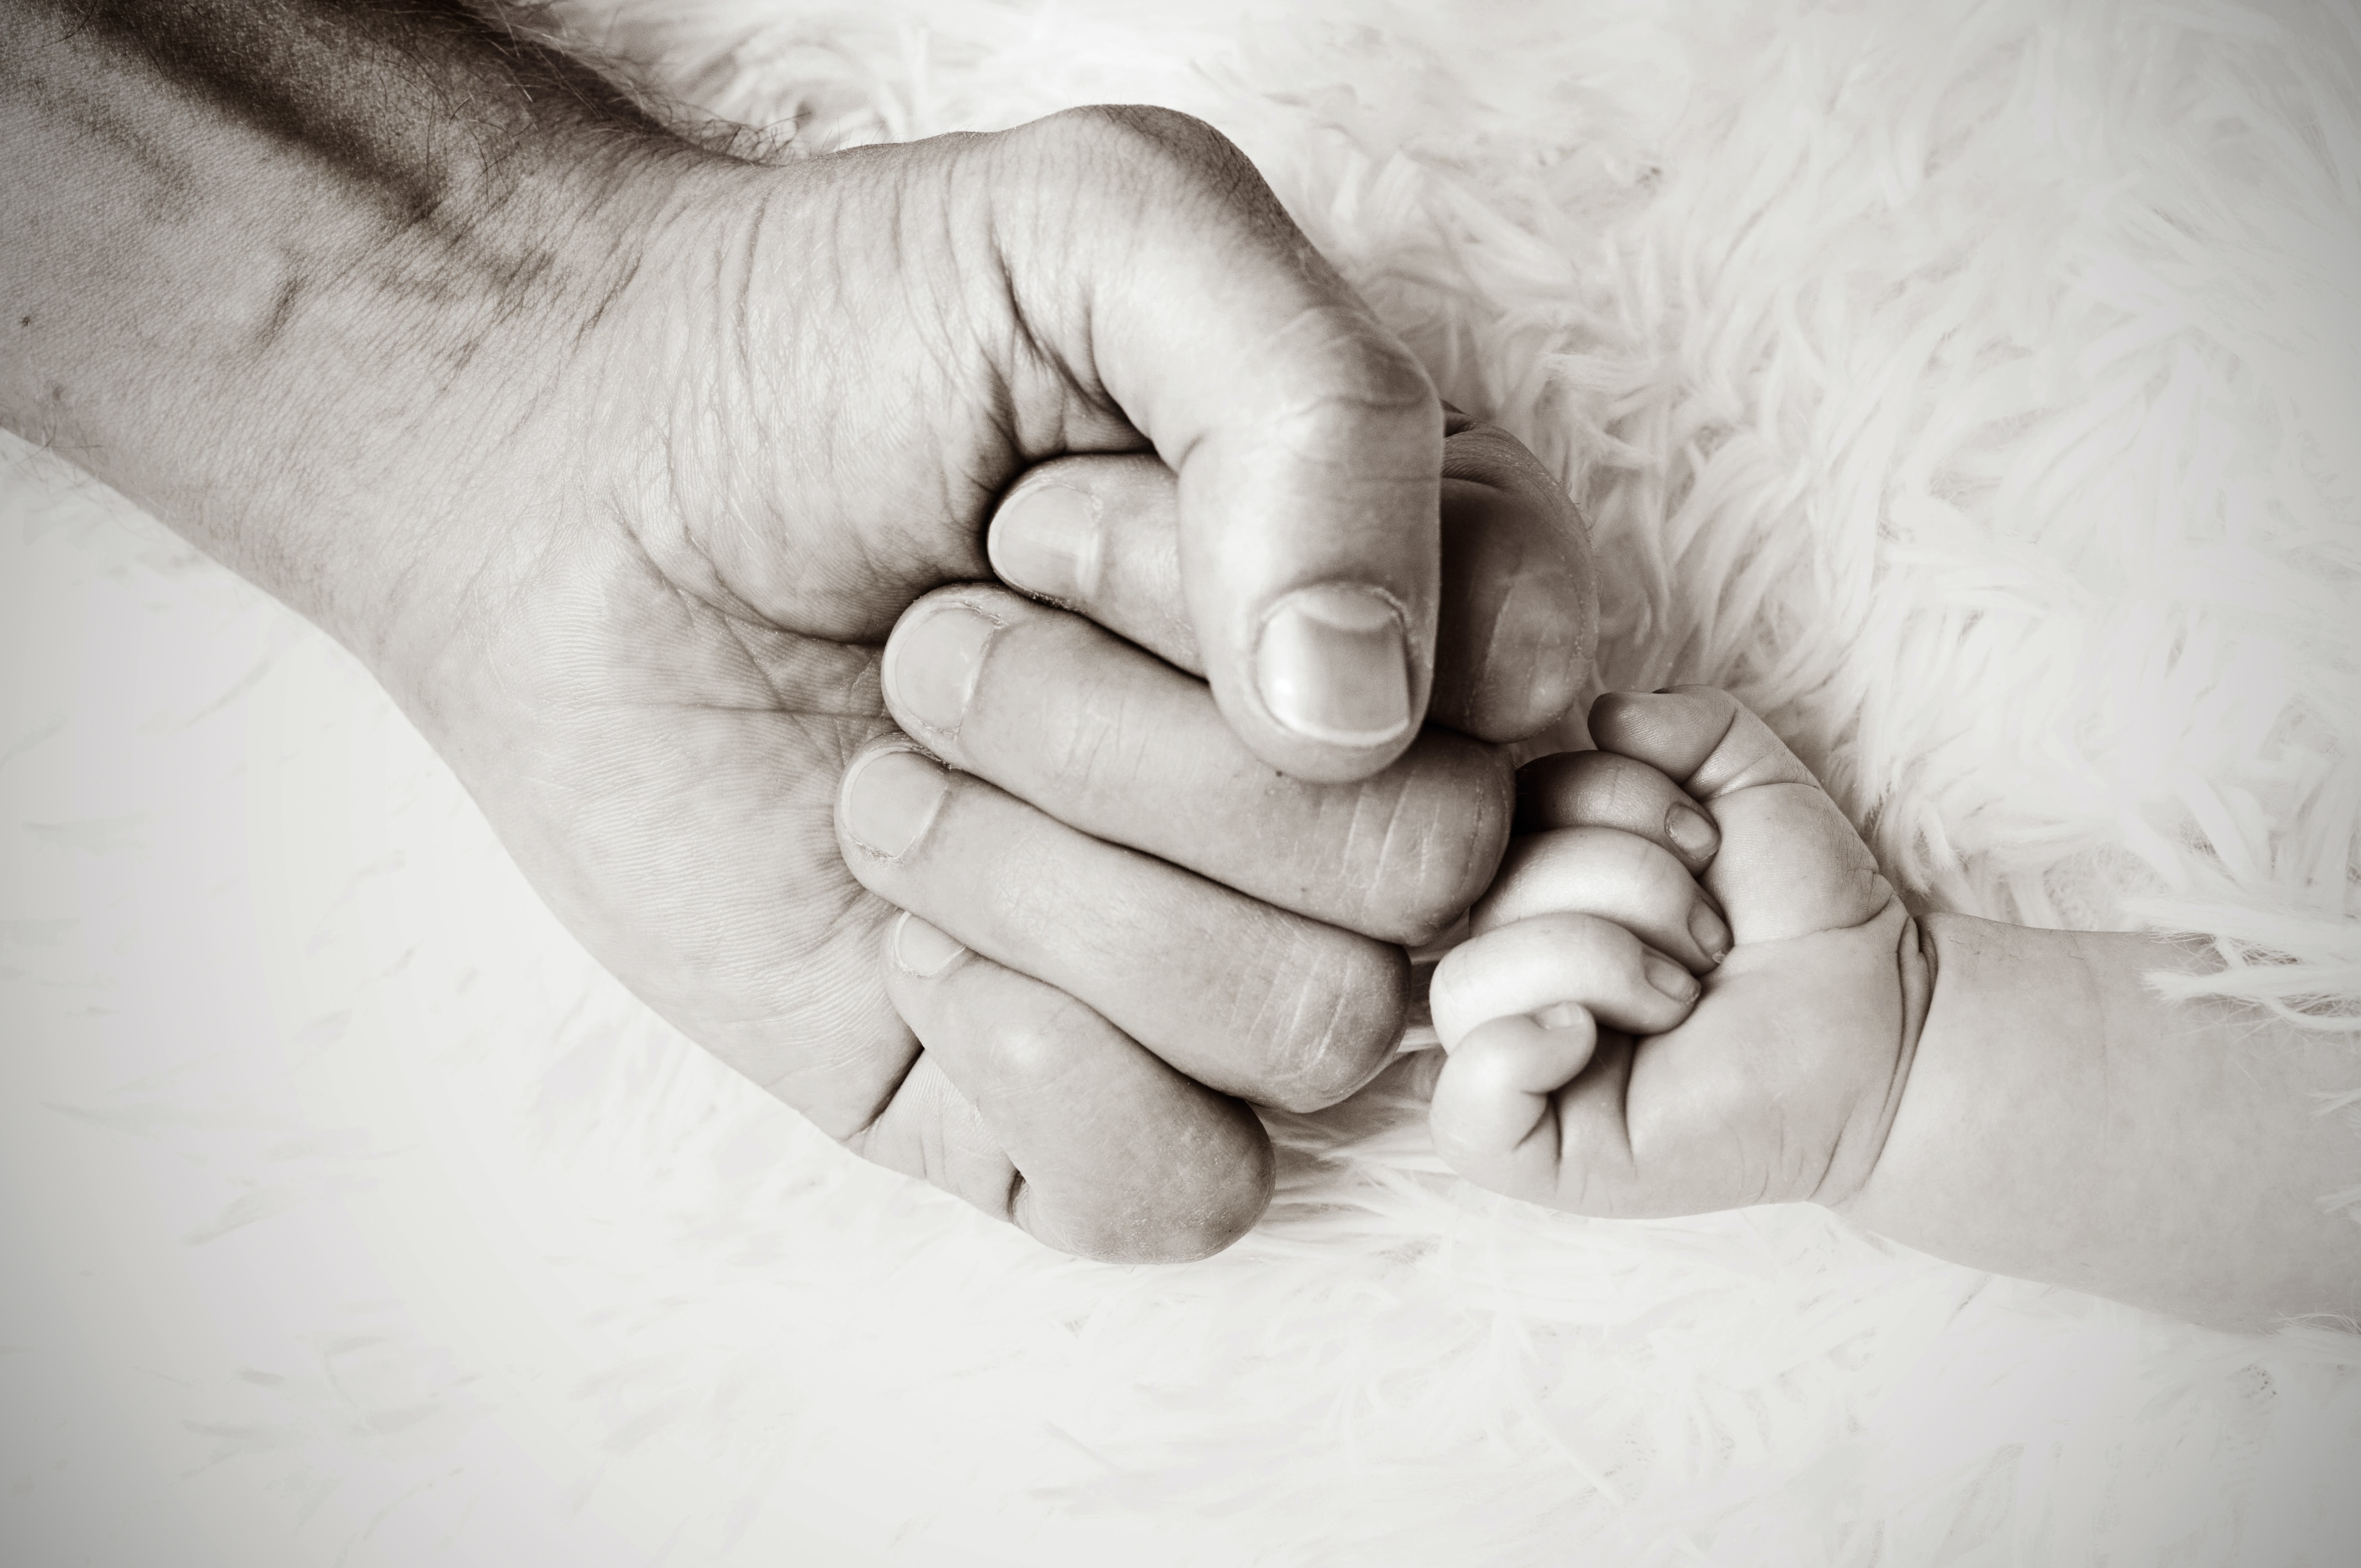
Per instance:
x=1537, y=964
x=1614, y=875
x=1604, y=789
x=1493, y=1116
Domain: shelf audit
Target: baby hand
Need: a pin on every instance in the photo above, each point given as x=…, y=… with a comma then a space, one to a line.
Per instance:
x=1662, y=1014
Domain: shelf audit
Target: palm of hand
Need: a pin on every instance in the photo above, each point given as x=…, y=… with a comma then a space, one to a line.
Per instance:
x=665, y=773
x=1774, y=1090
x=687, y=639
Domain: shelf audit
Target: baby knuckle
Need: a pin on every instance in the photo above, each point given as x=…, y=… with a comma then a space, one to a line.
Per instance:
x=1620, y=789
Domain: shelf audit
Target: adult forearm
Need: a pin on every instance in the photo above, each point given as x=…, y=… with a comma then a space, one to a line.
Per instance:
x=2062, y=1123
x=254, y=254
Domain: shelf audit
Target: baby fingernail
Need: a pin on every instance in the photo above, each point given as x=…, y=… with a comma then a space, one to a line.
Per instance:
x=1712, y=934
x=1046, y=541
x=931, y=666
x=1559, y=1015
x=1692, y=830
x=1335, y=665
x=921, y=949
x=1670, y=977
x=889, y=799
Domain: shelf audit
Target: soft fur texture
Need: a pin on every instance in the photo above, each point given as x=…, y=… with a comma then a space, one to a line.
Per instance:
x=1977, y=392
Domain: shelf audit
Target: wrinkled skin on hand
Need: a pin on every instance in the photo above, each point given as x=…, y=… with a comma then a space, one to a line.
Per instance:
x=758, y=414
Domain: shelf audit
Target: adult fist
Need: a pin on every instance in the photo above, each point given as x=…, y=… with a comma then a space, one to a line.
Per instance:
x=1122, y=919
x=804, y=405
x=618, y=458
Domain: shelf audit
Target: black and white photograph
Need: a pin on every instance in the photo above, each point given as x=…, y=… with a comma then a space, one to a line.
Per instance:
x=1213, y=784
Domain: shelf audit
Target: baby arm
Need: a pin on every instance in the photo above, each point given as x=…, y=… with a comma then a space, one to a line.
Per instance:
x=1659, y=1013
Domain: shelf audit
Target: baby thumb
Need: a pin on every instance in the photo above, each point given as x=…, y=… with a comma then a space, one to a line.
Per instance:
x=1790, y=863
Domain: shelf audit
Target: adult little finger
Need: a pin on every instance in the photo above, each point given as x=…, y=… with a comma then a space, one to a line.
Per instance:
x=1110, y=1153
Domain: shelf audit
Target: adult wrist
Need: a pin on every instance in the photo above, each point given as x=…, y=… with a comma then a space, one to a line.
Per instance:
x=301, y=352
x=506, y=332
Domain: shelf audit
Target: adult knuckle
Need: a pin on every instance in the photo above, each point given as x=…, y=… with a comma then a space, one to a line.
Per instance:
x=1355, y=371
x=1132, y=134
x=1088, y=750
x=1173, y=173
x=1443, y=822
x=1027, y=1052
x=1168, y=130
x=1331, y=1016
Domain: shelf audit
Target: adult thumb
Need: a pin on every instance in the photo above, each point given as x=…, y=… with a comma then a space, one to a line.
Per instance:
x=1306, y=439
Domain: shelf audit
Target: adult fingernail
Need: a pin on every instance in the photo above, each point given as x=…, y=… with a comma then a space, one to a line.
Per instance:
x=1670, y=977
x=922, y=948
x=1691, y=829
x=889, y=799
x=931, y=666
x=1046, y=541
x=1710, y=932
x=1335, y=665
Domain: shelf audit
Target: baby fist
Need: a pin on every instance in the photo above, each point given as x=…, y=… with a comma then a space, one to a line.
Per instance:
x=1663, y=1012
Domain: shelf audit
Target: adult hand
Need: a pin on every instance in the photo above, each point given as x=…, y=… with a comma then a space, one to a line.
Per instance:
x=1112, y=887
x=689, y=692
x=616, y=459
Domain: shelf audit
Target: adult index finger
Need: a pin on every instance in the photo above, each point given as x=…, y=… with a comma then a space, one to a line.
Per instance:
x=1100, y=534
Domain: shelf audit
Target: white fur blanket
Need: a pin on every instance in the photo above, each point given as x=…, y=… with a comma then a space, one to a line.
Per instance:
x=1976, y=389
